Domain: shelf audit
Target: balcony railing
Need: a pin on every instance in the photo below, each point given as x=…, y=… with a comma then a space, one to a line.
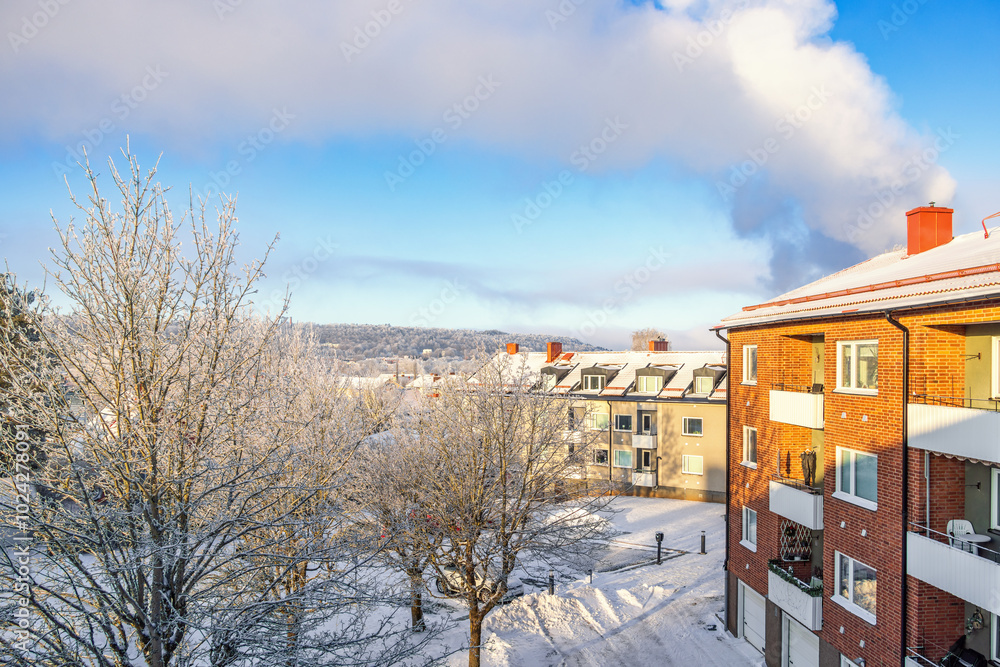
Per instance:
x=801, y=600
x=956, y=426
x=642, y=441
x=797, y=405
x=644, y=477
x=800, y=504
x=973, y=577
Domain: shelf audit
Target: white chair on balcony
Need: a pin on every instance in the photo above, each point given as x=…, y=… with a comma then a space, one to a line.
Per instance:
x=957, y=528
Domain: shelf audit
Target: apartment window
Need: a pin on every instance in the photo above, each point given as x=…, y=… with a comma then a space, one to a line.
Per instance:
x=857, y=366
x=749, y=364
x=749, y=529
x=855, y=587
x=623, y=422
x=649, y=383
x=598, y=421
x=548, y=381
x=692, y=426
x=646, y=423
x=601, y=457
x=593, y=382
x=704, y=384
x=995, y=638
x=995, y=505
x=857, y=478
x=693, y=465
x=846, y=662
x=750, y=446
x=623, y=458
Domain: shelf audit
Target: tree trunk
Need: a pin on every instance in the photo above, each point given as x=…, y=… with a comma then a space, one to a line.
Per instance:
x=475, y=636
x=417, y=603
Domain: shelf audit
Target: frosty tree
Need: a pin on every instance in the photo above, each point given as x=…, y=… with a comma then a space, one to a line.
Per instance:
x=188, y=511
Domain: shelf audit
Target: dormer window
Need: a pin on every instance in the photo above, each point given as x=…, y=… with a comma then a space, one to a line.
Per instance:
x=704, y=384
x=593, y=382
x=649, y=383
x=548, y=381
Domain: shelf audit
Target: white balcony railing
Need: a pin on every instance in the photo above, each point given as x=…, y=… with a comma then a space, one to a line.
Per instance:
x=797, y=407
x=974, y=578
x=966, y=432
x=797, y=504
x=643, y=478
x=644, y=441
x=805, y=608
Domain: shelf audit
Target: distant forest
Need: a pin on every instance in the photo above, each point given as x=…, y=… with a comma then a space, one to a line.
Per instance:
x=357, y=342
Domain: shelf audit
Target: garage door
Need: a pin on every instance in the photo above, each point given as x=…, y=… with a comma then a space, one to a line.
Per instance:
x=803, y=646
x=753, y=617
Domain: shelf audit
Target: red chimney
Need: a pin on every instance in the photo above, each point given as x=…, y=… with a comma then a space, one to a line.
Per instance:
x=512, y=348
x=927, y=227
x=554, y=350
x=659, y=345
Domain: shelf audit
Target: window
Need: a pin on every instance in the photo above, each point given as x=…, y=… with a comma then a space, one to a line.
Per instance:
x=649, y=383
x=692, y=426
x=750, y=446
x=597, y=421
x=623, y=422
x=601, y=457
x=857, y=478
x=749, y=529
x=995, y=505
x=994, y=637
x=855, y=587
x=593, y=382
x=704, y=384
x=548, y=381
x=857, y=366
x=693, y=465
x=749, y=364
x=623, y=458
x=646, y=459
x=645, y=423
x=846, y=662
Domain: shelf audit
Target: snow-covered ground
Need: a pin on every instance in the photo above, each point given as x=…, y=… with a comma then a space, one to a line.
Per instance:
x=667, y=614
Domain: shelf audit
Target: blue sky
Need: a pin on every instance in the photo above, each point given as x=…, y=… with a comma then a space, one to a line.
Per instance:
x=576, y=167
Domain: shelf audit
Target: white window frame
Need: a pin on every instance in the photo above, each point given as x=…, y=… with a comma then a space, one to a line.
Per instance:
x=685, y=429
x=846, y=603
x=847, y=662
x=850, y=496
x=995, y=638
x=747, y=461
x=621, y=428
x=748, y=531
x=618, y=455
x=589, y=379
x=853, y=387
x=548, y=381
x=995, y=498
x=649, y=383
x=704, y=378
x=600, y=463
x=593, y=421
x=687, y=468
x=995, y=363
x=749, y=350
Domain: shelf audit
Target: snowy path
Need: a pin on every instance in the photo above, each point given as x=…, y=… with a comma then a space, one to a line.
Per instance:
x=650, y=615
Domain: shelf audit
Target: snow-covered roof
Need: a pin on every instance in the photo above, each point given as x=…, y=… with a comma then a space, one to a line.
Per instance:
x=966, y=267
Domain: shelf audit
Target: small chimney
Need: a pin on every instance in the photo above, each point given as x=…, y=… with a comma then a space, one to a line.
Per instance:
x=512, y=348
x=554, y=350
x=927, y=227
x=659, y=345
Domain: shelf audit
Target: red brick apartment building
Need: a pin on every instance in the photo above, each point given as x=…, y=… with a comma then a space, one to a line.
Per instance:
x=864, y=460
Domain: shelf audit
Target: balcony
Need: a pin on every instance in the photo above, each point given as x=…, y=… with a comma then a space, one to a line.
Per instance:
x=796, y=501
x=973, y=577
x=969, y=428
x=644, y=441
x=797, y=598
x=795, y=405
x=643, y=478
